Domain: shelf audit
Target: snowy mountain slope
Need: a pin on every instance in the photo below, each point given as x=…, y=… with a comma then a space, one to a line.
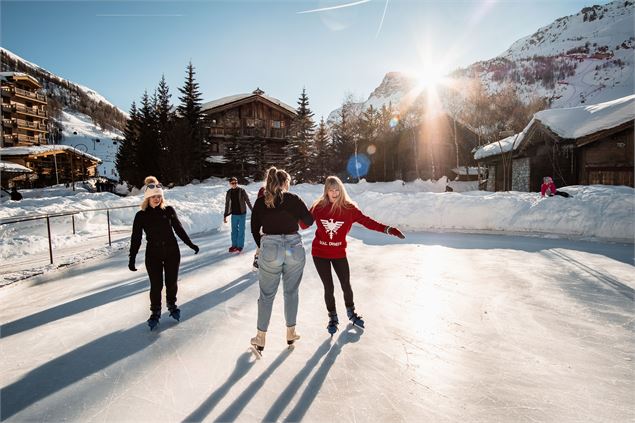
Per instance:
x=80, y=132
x=584, y=58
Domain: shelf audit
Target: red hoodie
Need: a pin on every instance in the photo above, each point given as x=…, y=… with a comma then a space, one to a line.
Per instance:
x=332, y=228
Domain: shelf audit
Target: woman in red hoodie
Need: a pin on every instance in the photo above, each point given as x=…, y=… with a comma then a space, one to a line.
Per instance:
x=334, y=214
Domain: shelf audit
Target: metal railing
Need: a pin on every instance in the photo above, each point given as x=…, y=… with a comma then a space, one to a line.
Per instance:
x=72, y=213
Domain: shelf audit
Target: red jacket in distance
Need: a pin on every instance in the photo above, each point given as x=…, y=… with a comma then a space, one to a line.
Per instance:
x=332, y=228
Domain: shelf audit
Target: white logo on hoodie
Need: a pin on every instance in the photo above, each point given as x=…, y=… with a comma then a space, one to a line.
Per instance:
x=331, y=226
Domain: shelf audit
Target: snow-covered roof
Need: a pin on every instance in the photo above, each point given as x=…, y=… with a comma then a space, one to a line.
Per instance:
x=577, y=122
x=502, y=146
x=237, y=97
x=472, y=170
x=569, y=123
x=10, y=167
x=38, y=149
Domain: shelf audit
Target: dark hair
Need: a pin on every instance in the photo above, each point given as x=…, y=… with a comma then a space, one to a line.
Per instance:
x=233, y=179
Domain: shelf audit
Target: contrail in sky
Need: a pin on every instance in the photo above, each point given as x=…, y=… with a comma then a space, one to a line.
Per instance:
x=382, y=19
x=323, y=9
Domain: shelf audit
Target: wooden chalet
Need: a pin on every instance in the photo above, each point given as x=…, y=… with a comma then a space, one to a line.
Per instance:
x=576, y=146
x=246, y=130
x=47, y=165
x=29, y=159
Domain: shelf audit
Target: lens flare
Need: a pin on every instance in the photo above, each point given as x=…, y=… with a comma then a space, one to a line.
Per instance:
x=393, y=122
x=358, y=166
x=371, y=149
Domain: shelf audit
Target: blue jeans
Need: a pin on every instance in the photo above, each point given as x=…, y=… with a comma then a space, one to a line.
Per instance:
x=238, y=230
x=280, y=255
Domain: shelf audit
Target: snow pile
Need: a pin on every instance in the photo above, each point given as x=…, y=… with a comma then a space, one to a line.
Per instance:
x=598, y=212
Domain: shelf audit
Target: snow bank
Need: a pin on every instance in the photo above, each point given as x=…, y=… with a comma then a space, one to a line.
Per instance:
x=595, y=212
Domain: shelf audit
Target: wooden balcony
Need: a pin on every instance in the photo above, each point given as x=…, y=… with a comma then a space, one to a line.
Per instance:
x=22, y=139
x=32, y=126
x=8, y=140
x=28, y=94
x=31, y=111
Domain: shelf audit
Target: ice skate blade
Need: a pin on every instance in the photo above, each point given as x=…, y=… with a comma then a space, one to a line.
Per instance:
x=257, y=351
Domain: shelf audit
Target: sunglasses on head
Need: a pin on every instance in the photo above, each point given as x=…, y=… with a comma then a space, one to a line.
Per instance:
x=153, y=186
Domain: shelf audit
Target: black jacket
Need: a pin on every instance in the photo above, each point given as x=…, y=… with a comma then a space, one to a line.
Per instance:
x=242, y=202
x=281, y=219
x=158, y=225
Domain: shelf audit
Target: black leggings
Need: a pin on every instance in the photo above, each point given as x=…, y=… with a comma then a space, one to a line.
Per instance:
x=323, y=267
x=159, y=260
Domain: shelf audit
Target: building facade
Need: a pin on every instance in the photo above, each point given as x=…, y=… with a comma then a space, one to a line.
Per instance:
x=24, y=114
x=245, y=133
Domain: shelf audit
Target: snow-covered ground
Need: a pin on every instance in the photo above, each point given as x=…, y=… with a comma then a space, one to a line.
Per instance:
x=593, y=212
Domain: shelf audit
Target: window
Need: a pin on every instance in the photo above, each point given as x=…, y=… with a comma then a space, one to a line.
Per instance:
x=276, y=124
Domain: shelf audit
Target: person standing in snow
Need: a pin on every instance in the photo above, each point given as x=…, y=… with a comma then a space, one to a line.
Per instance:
x=281, y=251
x=236, y=202
x=548, y=187
x=334, y=214
x=159, y=222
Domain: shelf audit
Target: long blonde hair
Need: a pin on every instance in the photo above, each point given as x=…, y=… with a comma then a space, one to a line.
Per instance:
x=342, y=202
x=146, y=201
x=277, y=182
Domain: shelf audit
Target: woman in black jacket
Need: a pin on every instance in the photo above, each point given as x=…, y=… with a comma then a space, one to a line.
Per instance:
x=281, y=252
x=159, y=222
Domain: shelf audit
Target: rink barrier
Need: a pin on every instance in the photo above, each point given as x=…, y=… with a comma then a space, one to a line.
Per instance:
x=71, y=213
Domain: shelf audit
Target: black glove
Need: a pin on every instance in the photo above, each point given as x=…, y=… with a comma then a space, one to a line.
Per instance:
x=395, y=232
x=195, y=248
x=131, y=264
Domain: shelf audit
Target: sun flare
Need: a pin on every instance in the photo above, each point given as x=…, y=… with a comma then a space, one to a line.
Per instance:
x=430, y=76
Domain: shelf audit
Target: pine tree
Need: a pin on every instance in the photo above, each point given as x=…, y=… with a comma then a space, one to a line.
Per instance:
x=190, y=110
x=148, y=155
x=167, y=144
x=323, y=153
x=126, y=158
x=300, y=149
x=257, y=156
x=234, y=156
x=343, y=138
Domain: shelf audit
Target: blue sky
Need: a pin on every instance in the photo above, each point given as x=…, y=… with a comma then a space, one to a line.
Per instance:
x=121, y=48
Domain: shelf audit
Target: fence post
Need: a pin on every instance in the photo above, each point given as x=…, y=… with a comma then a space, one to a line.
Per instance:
x=108, y=218
x=48, y=229
x=73, y=219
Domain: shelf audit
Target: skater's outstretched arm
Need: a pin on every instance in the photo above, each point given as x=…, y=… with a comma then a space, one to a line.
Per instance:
x=178, y=229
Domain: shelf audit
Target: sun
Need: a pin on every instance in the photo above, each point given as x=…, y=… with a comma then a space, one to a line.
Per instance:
x=429, y=77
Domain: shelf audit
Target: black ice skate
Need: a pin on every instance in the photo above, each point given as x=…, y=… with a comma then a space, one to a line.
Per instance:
x=175, y=313
x=333, y=322
x=355, y=318
x=153, y=321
